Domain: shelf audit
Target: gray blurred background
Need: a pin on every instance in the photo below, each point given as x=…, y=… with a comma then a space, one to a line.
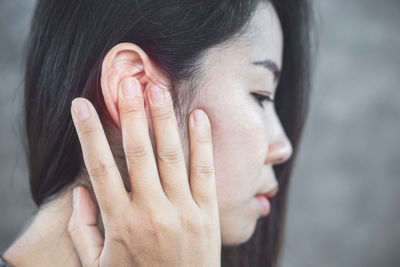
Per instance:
x=345, y=193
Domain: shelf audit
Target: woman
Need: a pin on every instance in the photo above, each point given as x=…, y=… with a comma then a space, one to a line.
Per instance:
x=244, y=63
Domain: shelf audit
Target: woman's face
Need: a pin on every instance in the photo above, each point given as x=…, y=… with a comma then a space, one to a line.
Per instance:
x=248, y=138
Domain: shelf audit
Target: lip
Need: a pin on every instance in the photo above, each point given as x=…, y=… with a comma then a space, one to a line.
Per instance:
x=262, y=200
x=270, y=193
x=263, y=203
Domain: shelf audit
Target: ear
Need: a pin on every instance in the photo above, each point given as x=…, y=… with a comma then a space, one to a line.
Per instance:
x=122, y=61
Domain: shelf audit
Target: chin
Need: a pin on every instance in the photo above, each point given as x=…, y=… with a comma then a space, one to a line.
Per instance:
x=238, y=236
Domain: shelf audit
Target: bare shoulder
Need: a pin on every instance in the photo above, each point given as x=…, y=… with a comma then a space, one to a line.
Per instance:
x=45, y=241
x=20, y=253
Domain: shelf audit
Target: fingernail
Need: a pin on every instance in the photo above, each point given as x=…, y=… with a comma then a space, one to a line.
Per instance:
x=157, y=96
x=80, y=109
x=198, y=118
x=129, y=88
x=75, y=198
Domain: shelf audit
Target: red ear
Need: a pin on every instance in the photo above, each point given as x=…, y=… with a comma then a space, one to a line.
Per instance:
x=122, y=61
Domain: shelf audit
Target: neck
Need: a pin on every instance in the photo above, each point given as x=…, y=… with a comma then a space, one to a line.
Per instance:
x=46, y=242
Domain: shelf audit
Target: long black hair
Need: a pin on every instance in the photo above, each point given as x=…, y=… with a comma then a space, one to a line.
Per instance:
x=68, y=41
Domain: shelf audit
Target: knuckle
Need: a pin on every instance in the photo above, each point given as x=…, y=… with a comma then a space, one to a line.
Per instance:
x=204, y=138
x=100, y=168
x=191, y=224
x=163, y=113
x=121, y=232
x=156, y=222
x=136, y=152
x=87, y=131
x=159, y=225
x=132, y=110
x=122, y=227
x=205, y=169
x=171, y=156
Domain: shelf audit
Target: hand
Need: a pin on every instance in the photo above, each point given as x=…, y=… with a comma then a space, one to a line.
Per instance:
x=164, y=220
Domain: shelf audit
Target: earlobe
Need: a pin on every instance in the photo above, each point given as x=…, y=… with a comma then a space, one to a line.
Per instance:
x=122, y=61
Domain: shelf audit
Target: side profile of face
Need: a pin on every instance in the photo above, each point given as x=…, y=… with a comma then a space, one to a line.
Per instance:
x=248, y=138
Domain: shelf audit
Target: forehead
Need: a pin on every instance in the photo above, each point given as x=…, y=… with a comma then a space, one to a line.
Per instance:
x=262, y=40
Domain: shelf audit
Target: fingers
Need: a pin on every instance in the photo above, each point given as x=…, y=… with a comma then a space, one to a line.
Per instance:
x=104, y=175
x=170, y=157
x=138, y=150
x=202, y=172
x=86, y=236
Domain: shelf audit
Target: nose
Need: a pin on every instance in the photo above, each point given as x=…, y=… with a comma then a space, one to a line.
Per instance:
x=280, y=150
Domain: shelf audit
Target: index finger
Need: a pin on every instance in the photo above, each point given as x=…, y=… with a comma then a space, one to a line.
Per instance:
x=104, y=174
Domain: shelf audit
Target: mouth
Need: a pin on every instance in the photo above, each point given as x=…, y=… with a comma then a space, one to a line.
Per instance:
x=263, y=203
x=268, y=194
x=262, y=199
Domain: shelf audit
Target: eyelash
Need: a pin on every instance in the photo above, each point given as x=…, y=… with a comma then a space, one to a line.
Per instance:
x=262, y=98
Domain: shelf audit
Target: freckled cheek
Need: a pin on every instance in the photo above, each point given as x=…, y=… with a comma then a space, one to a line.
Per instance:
x=256, y=142
x=239, y=155
x=238, y=134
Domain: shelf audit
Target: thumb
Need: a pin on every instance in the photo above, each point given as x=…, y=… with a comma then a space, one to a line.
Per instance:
x=86, y=236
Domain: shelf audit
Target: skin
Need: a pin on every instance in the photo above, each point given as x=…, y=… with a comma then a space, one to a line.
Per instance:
x=247, y=139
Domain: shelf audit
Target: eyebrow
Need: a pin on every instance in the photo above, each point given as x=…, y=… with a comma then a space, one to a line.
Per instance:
x=271, y=65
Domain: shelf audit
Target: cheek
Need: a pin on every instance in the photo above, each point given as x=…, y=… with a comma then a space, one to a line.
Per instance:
x=240, y=147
